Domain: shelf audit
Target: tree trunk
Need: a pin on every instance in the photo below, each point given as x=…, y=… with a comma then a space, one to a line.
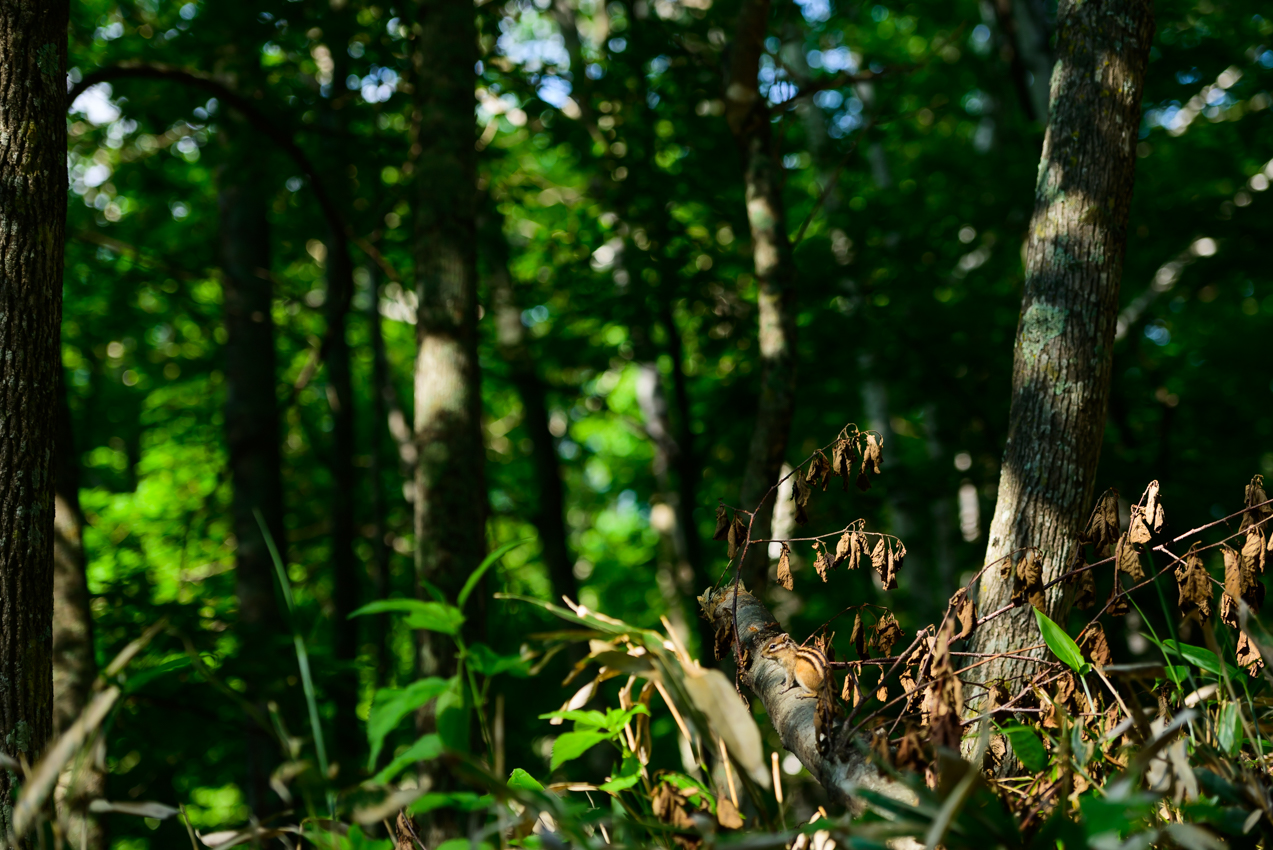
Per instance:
x=550, y=502
x=33, y=209
x=252, y=440
x=1063, y=354
x=748, y=115
x=347, y=736
x=74, y=663
x=450, y=492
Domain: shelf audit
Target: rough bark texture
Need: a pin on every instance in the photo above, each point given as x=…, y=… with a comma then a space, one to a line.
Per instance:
x=450, y=487
x=32, y=232
x=252, y=440
x=748, y=115
x=1074, y=259
x=74, y=664
x=550, y=502
x=845, y=768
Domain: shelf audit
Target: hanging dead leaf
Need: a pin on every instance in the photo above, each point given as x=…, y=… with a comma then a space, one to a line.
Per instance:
x=879, y=556
x=881, y=693
x=873, y=454
x=1138, y=530
x=965, y=611
x=822, y=564
x=1102, y=528
x=1118, y=606
x=863, y=482
x=909, y=689
x=851, y=692
x=943, y=703
x=842, y=548
x=1255, y=497
x=1153, y=507
x=784, y=568
x=1240, y=582
x=859, y=637
x=819, y=474
x=1127, y=559
x=1248, y=656
x=1085, y=596
x=1194, y=584
x=1253, y=550
x=1029, y=584
x=722, y=522
x=800, y=495
x=843, y=459
x=857, y=546
x=1095, y=645
x=737, y=536
x=887, y=633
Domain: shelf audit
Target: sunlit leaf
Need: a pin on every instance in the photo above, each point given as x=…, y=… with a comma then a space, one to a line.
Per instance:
x=572, y=745
x=1027, y=746
x=1061, y=644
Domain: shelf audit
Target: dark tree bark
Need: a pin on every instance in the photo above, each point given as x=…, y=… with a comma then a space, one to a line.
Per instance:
x=1064, y=346
x=74, y=662
x=748, y=115
x=33, y=211
x=550, y=503
x=252, y=440
x=450, y=492
x=347, y=736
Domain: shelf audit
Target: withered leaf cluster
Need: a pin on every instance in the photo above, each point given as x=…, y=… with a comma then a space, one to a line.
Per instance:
x=1027, y=578
x=886, y=559
x=734, y=530
x=1146, y=520
x=1102, y=528
x=1242, y=577
x=1256, y=510
x=1194, y=583
x=844, y=456
x=872, y=456
x=943, y=700
x=887, y=633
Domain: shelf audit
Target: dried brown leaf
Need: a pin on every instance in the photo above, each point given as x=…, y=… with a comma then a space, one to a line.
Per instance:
x=737, y=536
x=727, y=813
x=1253, y=550
x=722, y=523
x=879, y=556
x=1095, y=645
x=1248, y=656
x=857, y=546
x=1029, y=584
x=873, y=454
x=887, y=633
x=822, y=564
x=1254, y=499
x=784, y=568
x=1194, y=584
x=1153, y=507
x=843, y=547
x=1118, y=605
x=1138, y=530
x=965, y=611
x=1127, y=559
x=859, y=637
x=863, y=482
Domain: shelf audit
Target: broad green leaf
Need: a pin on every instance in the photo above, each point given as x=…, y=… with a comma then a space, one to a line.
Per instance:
x=1229, y=729
x=465, y=801
x=483, y=567
x=453, y=719
x=1102, y=815
x=427, y=748
x=584, y=720
x=629, y=774
x=486, y=661
x=1061, y=644
x=572, y=745
x=390, y=705
x=1177, y=673
x=1203, y=659
x=523, y=781
x=1029, y=749
x=430, y=616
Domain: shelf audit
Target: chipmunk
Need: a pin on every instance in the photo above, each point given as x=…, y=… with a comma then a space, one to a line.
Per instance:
x=806, y=667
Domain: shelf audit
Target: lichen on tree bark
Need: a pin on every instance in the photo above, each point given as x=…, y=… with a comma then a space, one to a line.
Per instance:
x=1074, y=259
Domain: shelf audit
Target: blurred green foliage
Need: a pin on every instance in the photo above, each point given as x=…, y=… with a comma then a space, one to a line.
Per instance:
x=910, y=274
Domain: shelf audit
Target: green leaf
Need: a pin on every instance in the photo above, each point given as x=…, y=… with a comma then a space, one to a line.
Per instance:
x=1229, y=729
x=1026, y=744
x=473, y=579
x=427, y=748
x=1203, y=659
x=430, y=616
x=486, y=661
x=572, y=745
x=584, y=720
x=698, y=791
x=1177, y=673
x=390, y=705
x=453, y=719
x=1103, y=815
x=464, y=801
x=1061, y=644
x=629, y=774
x=523, y=781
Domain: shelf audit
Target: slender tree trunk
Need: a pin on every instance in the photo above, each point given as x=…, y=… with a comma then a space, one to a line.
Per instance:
x=33, y=213
x=550, y=505
x=252, y=439
x=74, y=663
x=748, y=115
x=450, y=493
x=379, y=509
x=1074, y=260
x=347, y=737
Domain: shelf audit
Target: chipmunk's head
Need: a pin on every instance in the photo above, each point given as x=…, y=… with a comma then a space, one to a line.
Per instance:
x=775, y=646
